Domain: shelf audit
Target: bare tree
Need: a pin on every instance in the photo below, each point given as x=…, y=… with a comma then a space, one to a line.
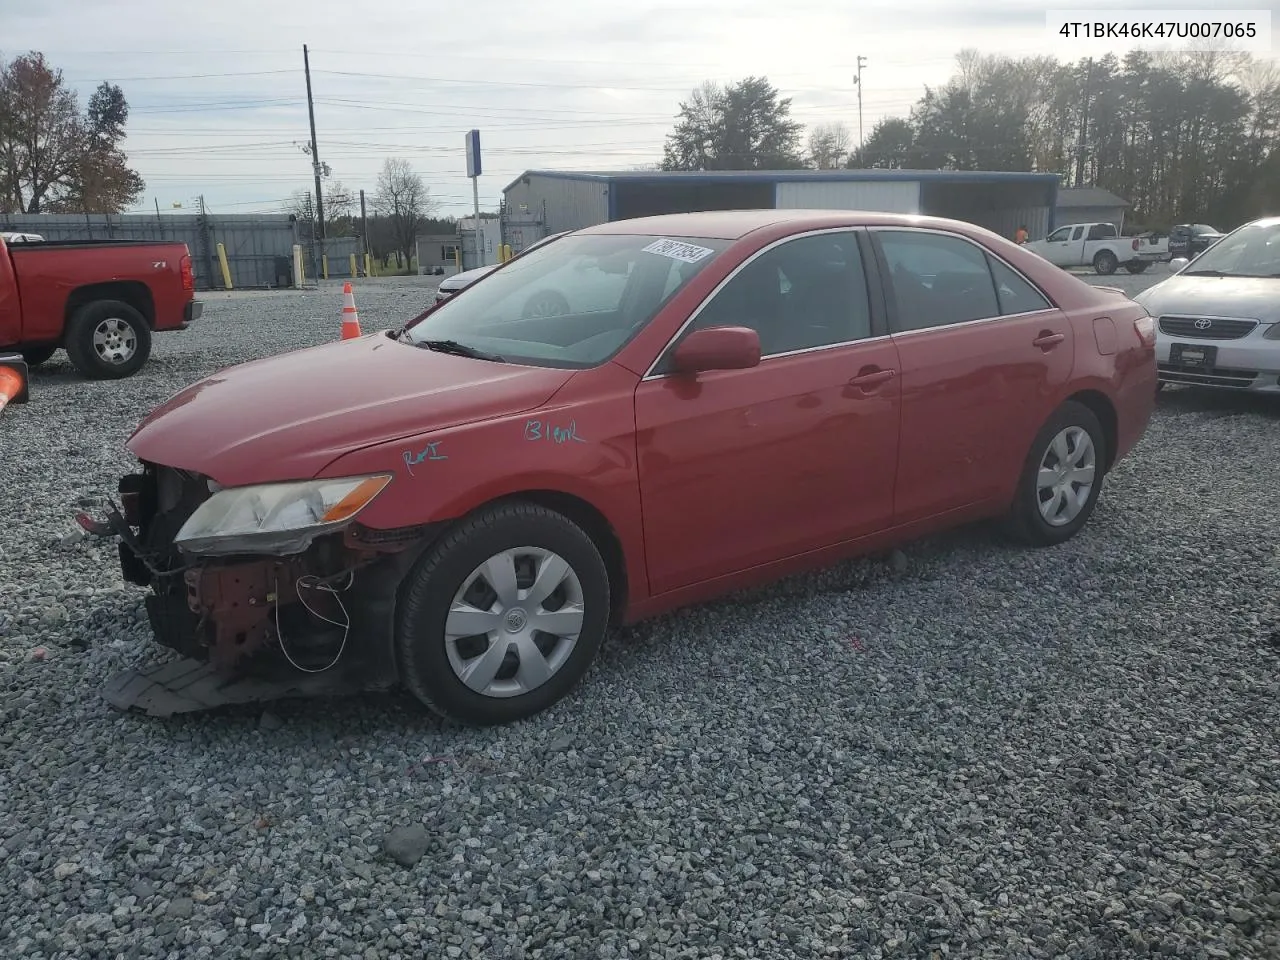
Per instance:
x=339, y=205
x=829, y=146
x=405, y=201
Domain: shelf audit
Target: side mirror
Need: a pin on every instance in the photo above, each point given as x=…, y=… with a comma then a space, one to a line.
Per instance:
x=1177, y=263
x=13, y=379
x=718, y=348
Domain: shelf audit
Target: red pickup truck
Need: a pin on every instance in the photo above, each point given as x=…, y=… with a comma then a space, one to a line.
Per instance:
x=98, y=300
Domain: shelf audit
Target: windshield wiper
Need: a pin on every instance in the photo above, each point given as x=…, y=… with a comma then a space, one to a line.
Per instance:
x=458, y=350
x=1204, y=273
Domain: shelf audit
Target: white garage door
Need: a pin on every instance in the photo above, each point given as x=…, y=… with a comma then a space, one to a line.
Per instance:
x=896, y=196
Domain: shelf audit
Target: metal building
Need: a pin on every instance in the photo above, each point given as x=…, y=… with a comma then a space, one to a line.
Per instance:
x=1090, y=205
x=545, y=201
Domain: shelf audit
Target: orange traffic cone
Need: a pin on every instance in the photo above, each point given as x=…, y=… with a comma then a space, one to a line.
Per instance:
x=13, y=387
x=350, y=318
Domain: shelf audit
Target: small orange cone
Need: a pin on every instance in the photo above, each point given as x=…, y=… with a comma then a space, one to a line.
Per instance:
x=13, y=383
x=350, y=318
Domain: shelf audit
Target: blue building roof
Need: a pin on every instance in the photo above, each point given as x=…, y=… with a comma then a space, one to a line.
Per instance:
x=784, y=176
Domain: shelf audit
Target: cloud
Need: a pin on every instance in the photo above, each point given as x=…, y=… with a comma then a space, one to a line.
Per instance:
x=218, y=96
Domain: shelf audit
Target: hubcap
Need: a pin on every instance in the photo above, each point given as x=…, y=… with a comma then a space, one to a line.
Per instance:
x=114, y=340
x=1066, y=476
x=514, y=622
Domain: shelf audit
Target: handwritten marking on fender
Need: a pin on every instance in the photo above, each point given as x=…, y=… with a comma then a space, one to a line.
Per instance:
x=429, y=452
x=543, y=430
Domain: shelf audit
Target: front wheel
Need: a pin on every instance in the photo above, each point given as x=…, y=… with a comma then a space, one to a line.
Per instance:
x=503, y=617
x=108, y=340
x=1105, y=263
x=1061, y=478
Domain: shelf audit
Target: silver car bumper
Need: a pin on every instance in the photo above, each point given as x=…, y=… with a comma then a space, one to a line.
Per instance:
x=1234, y=355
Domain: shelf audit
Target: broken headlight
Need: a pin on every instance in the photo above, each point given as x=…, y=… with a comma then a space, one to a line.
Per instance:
x=276, y=517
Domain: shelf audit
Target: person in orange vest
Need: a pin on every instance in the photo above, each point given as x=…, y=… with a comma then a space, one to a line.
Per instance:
x=1022, y=236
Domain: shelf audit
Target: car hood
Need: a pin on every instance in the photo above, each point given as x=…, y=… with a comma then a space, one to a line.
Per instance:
x=288, y=417
x=466, y=277
x=1252, y=298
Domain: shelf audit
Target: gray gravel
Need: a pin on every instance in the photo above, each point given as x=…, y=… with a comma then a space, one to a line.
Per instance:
x=971, y=751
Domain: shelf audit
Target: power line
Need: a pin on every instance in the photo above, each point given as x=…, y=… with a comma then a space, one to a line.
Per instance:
x=184, y=76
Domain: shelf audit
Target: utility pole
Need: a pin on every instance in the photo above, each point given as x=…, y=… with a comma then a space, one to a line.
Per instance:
x=315, y=150
x=857, y=82
x=1084, y=123
x=364, y=226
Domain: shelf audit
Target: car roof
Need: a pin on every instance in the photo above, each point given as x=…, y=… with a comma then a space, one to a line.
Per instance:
x=735, y=224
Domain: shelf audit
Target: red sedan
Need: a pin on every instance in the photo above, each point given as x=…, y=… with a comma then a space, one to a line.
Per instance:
x=465, y=506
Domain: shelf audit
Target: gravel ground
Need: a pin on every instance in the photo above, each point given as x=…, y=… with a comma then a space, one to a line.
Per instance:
x=967, y=751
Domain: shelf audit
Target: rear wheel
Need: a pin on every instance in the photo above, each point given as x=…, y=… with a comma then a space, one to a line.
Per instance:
x=108, y=340
x=503, y=617
x=34, y=356
x=1061, y=478
x=1136, y=266
x=1105, y=263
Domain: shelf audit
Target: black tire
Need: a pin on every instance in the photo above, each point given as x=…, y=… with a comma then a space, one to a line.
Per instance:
x=545, y=303
x=1137, y=266
x=428, y=592
x=1025, y=523
x=131, y=326
x=1105, y=263
x=38, y=355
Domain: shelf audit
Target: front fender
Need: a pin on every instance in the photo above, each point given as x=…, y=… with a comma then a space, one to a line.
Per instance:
x=586, y=451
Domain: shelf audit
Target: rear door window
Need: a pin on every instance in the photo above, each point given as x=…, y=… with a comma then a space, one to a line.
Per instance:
x=1015, y=294
x=937, y=280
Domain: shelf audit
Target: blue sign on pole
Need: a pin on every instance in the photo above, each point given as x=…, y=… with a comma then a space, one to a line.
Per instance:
x=473, y=153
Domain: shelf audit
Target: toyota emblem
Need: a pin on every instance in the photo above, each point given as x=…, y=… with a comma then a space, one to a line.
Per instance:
x=1204, y=323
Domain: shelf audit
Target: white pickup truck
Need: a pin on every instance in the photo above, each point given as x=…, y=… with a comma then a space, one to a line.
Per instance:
x=1100, y=246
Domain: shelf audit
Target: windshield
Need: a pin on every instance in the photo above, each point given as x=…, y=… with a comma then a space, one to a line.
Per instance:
x=1252, y=251
x=572, y=303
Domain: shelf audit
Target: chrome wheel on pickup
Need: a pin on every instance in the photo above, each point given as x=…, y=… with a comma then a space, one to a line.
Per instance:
x=108, y=340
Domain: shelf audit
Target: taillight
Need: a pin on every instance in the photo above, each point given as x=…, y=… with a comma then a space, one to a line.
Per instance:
x=188, y=277
x=1146, y=327
x=1136, y=243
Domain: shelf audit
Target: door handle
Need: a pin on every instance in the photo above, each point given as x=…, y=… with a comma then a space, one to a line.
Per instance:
x=873, y=378
x=1047, y=340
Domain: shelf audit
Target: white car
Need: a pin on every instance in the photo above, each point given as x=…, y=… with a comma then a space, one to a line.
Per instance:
x=460, y=281
x=1218, y=316
x=8, y=237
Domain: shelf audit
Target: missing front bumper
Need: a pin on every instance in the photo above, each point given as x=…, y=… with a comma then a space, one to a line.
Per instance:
x=255, y=621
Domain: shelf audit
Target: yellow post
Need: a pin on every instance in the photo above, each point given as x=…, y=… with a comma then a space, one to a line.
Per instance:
x=457, y=258
x=324, y=265
x=368, y=265
x=353, y=266
x=226, y=268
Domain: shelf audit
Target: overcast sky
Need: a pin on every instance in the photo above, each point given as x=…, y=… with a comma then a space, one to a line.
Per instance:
x=218, y=98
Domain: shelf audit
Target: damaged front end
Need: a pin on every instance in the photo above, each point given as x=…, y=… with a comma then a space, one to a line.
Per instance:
x=277, y=582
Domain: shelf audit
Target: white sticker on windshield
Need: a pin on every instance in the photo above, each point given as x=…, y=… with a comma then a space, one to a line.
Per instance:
x=678, y=251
